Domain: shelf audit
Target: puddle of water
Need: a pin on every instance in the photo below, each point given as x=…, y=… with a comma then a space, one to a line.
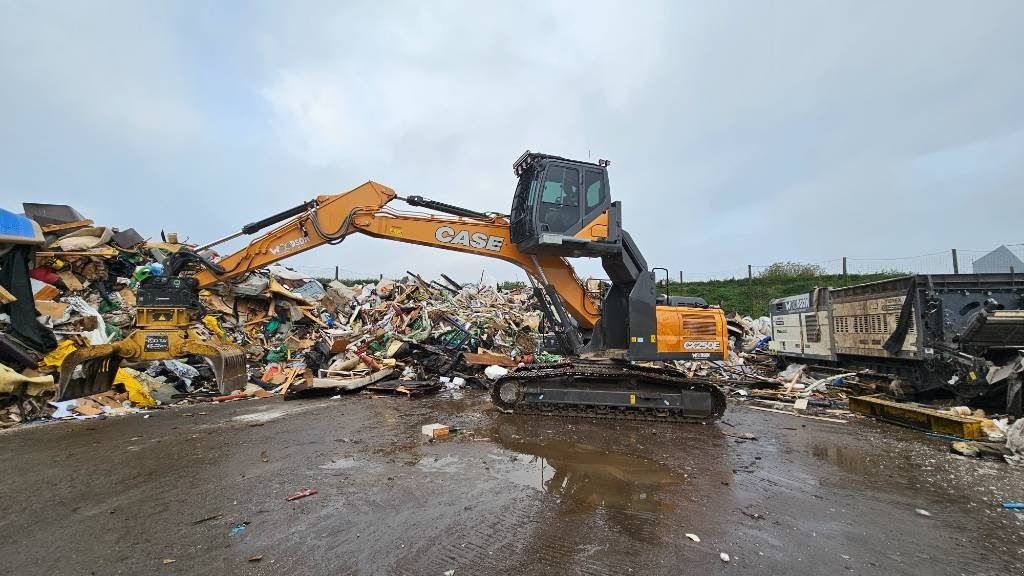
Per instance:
x=342, y=464
x=441, y=464
x=273, y=413
x=844, y=458
x=585, y=474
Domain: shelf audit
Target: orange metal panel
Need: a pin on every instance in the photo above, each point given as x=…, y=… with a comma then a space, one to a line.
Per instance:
x=694, y=330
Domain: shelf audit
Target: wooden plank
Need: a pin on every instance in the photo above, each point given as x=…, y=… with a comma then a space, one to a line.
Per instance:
x=66, y=226
x=808, y=416
x=54, y=310
x=47, y=292
x=288, y=381
x=103, y=252
x=351, y=384
x=6, y=297
x=71, y=281
x=488, y=358
x=312, y=317
x=919, y=417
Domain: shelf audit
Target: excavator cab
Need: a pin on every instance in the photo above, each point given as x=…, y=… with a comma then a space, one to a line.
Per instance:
x=563, y=207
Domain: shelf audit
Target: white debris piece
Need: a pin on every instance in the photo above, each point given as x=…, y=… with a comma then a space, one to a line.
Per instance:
x=693, y=537
x=494, y=371
x=1015, y=443
x=452, y=383
x=724, y=557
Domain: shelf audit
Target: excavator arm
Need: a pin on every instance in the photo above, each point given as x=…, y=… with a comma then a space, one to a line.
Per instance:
x=364, y=210
x=162, y=326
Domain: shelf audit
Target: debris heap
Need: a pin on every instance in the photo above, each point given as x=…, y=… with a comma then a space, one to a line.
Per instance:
x=66, y=283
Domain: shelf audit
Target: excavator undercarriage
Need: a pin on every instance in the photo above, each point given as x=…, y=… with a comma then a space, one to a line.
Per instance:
x=608, y=389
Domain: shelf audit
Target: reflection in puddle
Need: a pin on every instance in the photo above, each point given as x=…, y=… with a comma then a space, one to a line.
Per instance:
x=587, y=475
x=349, y=464
x=843, y=458
x=340, y=464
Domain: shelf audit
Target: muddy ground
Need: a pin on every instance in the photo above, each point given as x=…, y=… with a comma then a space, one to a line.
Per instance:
x=205, y=486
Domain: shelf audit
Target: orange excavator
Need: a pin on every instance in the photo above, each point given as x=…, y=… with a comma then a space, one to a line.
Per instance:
x=561, y=209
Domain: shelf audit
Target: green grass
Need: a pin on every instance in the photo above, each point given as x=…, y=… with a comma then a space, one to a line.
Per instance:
x=349, y=281
x=751, y=297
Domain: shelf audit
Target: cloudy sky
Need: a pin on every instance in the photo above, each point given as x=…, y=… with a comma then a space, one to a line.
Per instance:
x=739, y=132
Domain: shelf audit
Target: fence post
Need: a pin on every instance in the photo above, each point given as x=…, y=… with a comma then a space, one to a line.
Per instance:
x=750, y=287
x=844, y=266
x=956, y=265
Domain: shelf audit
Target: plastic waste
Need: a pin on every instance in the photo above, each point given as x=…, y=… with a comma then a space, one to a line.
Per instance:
x=494, y=371
x=138, y=394
x=453, y=383
x=183, y=371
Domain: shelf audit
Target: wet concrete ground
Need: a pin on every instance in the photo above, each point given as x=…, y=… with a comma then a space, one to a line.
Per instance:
x=205, y=486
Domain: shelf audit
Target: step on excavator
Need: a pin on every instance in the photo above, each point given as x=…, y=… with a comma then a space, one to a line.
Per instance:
x=561, y=209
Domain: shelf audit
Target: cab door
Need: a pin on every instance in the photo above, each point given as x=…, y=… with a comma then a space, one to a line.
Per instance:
x=559, y=210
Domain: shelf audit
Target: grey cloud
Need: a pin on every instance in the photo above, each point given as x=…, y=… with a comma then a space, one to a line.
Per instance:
x=738, y=132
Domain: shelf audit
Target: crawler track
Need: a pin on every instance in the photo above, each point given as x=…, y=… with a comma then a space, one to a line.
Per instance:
x=608, y=389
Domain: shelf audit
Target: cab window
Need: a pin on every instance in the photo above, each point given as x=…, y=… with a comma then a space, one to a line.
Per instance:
x=593, y=185
x=560, y=186
x=559, y=210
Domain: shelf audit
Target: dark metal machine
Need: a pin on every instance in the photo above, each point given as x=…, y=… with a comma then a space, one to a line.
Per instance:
x=961, y=333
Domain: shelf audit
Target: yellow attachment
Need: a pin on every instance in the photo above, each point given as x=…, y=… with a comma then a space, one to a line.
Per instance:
x=161, y=317
x=100, y=364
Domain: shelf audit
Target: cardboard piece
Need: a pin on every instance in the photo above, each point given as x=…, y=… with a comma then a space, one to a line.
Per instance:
x=50, y=308
x=435, y=430
x=71, y=281
x=47, y=292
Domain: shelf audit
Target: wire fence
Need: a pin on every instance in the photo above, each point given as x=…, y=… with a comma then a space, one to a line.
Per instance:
x=954, y=261
x=334, y=272
x=749, y=289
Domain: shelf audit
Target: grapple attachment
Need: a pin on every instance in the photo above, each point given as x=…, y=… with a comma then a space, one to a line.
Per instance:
x=100, y=363
x=228, y=363
x=99, y=368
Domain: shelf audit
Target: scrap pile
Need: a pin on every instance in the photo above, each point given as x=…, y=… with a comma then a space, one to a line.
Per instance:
x=763, y=381
x=755, y=376
x=307, y=336
x=66, y=284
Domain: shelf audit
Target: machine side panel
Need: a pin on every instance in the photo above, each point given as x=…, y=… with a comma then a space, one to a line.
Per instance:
x=697, y=333
x=863, y=324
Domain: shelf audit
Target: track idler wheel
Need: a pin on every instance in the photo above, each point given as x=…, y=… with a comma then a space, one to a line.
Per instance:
x=506, y=393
